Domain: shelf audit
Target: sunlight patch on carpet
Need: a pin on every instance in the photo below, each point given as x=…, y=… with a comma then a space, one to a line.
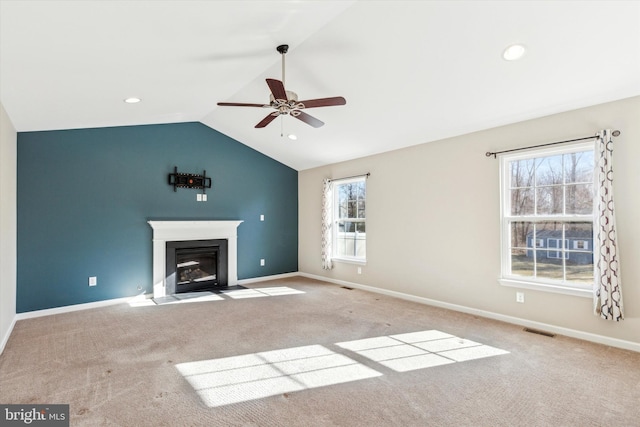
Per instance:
x=247, y=377
x=419, y=350
x=261, y=292
x=244, y=293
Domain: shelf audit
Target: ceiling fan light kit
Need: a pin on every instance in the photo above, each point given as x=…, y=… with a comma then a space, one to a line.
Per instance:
x=285, y=102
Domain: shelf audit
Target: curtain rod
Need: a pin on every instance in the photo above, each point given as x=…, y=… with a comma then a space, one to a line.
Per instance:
x=495, y=154
x=348, y=177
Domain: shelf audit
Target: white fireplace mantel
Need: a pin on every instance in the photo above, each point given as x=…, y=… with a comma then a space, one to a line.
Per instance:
x=176, y=231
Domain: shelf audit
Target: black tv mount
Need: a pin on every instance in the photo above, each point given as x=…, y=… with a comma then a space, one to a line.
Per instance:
x=189, y=180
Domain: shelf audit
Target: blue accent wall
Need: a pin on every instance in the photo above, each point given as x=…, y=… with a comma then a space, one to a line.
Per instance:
x=85, y=196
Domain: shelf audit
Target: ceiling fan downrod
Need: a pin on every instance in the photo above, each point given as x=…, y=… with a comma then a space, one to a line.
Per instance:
x=283, y=48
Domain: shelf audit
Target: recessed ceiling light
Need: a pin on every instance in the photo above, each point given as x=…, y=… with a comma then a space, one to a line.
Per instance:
x=513, y=52
x=292, y=137
x=132, y=100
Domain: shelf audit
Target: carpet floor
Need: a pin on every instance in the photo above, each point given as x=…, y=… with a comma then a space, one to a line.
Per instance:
x=300, y=352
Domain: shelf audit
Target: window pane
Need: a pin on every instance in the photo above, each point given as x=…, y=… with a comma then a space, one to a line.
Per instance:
x=342, y=194
x=578, y=167
x=522, y=201
x=549, y=170
x=580, y=267
x=361, y=211
x=522, y=173
x=360, y=227
x=550, y=268
x=522, y=262
x=362, y=190
x=579, y=263
x=579, y=199
x=549, y=230
x=346, y=226
x=352, y=212
x=521, y=234
x=549, y=200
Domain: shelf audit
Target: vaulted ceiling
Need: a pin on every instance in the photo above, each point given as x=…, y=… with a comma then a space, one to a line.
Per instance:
x=411, y=71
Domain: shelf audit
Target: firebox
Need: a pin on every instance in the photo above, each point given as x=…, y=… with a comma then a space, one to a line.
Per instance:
x=196, y=265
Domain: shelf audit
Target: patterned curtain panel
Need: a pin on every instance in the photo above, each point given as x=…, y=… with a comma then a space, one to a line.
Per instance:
x=327, y=208
x=607, y=287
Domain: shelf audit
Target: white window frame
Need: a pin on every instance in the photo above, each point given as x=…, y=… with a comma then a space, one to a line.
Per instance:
x=361, y=260
x=536, y=283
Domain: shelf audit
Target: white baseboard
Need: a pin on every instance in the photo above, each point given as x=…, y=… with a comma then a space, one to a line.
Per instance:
x=587, y=336
x=70, y=308
x=267, y=278
x=6, y=336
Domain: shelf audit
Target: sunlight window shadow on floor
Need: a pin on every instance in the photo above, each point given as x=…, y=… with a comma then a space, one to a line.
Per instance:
x=242, y=378
x=203, y=296
x=247, y=377
x=261, y=292
x=419, y=350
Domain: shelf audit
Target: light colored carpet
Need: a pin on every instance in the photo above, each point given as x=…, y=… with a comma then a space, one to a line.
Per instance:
x=299, y=352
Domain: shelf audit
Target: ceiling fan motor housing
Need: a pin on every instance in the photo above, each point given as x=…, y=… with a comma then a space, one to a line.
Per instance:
x=286, y=106
x=286, y=102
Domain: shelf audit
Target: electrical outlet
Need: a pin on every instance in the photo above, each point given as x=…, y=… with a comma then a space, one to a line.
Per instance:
x=262, y=262
x=93, y=281
x=520, y=297
x=359, y=270
x=261, y=217
x=199, y=197
x=204, y=197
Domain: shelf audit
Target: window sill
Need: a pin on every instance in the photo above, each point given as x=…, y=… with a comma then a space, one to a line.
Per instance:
x=351, y=261
x=558, y=289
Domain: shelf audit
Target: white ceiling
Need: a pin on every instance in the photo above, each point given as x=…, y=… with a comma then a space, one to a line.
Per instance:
x=411, y=71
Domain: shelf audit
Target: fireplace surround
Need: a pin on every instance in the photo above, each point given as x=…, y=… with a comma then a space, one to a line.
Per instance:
x=184, y=231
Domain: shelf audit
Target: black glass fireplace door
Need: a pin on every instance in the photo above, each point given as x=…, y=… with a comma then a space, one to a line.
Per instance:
x=196, y=266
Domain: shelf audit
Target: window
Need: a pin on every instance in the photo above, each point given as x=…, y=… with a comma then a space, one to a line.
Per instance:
x=547, y=219
x=350, y=237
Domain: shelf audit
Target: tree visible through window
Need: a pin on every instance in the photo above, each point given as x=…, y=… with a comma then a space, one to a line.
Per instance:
x=350, y=219
x=547, y=216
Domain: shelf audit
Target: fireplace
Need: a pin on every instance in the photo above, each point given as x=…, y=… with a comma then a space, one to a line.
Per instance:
x=196, y=265
x=171, y=235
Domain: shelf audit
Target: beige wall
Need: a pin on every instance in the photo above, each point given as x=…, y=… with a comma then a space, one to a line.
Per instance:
x=433, y=220
x=8, y=174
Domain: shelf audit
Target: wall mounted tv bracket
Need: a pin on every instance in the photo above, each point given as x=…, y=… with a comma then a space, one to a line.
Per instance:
x=188, y=180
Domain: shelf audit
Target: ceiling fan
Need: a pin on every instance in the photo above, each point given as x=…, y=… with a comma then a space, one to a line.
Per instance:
x=286, y=102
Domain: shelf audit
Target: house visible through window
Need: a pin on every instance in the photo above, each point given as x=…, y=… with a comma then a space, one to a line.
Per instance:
x=350, y=236
x=547, y=218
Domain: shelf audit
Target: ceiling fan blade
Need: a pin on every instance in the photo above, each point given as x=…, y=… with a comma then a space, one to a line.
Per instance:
x=241, y=104
x=267, y=120
x=277, y=89
x=310, y=120
x=323, y=102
